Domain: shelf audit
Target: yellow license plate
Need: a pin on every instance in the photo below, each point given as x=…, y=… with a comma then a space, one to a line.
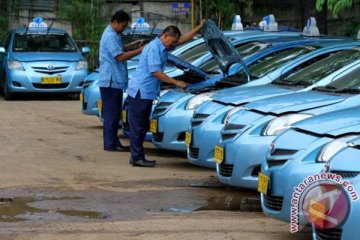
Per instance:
x=153, y=126
x=81, y=97
x=123, y=116
x=51, y=80
x=99, y=105
x=187, y=139
x=219, y=154
x=263, y=183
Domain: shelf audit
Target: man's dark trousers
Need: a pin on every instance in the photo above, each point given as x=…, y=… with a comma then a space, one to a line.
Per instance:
x=111, y=104
x=139, y=114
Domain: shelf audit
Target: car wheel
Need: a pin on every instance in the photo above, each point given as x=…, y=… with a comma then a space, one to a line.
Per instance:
x=7, y=95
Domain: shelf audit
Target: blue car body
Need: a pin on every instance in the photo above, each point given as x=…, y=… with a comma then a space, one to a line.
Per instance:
x=346, y=164
x=38, y=60
x=209, y=118
x=172, y=106
x=249, y=132
x=300, y=152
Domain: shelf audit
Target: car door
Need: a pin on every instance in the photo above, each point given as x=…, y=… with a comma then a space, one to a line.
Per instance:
x=3, y=55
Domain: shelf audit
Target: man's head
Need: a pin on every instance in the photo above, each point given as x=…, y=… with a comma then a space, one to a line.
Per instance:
x=119, y=21
x=170, y=36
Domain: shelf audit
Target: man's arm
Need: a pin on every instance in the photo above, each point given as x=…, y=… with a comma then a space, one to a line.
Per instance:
x=128, y=55
x=165, y=78
x=190, y=35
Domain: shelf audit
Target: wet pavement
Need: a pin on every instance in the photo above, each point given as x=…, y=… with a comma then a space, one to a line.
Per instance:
x=58, y=183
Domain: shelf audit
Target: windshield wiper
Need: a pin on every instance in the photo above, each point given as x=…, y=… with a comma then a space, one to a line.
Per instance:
x=282, y=82
x=349, y=90
x=301, y=83
x=327, y=88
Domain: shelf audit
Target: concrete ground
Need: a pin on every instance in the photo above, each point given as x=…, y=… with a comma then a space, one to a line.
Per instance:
x=58, y=183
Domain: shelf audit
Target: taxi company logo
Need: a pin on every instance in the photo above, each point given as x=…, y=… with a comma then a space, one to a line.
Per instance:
x=323, y=200
x=325, y=205
x=50, y=67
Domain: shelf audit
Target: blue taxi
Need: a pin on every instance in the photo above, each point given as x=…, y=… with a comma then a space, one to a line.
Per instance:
x=41, y=59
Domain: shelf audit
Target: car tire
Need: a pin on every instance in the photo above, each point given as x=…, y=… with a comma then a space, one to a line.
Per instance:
x=7, y=95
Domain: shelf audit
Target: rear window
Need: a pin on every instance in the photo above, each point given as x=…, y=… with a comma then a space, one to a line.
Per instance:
x=43, y=43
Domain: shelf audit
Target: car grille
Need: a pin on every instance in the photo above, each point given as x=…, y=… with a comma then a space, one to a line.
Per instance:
x=231, y=127
x=346, y=174
x=50, y=86
x=283, y=152
x=161, y=107
x=273, y=163
x=226, y=136
x=198, y=118
x=194, y=152
x=226, y=170
x=158, y=137
x=328, y=234
x=46, y=70
x=273, y=202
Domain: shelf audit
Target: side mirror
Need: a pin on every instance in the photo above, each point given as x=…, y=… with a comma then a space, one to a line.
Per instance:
x=2, y=50
x=85, y=50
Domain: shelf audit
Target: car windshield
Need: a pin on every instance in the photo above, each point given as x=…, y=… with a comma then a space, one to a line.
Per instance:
x=319, y=70
x=349, y=83
x=244, y=50
x=275, y=60
x=43, y=43
x=194, y=53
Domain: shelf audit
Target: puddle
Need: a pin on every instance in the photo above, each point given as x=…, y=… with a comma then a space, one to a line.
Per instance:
x=82, y=214
x=225, y=203
x=11, y=208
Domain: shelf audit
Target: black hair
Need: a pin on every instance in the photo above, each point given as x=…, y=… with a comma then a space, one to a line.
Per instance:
x=120, y=16
x=172, y=31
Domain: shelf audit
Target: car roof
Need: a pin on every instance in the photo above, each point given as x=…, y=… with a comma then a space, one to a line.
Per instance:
x=30, y=31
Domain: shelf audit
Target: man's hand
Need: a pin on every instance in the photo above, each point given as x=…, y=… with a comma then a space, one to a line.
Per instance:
x=181, y=84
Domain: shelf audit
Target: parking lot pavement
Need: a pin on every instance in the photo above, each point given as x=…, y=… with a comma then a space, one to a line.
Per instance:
x=58, y=183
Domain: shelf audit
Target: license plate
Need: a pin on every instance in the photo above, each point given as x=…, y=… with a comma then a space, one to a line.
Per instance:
x=219, y=154
x=81, y=97
x=153, y=126
x=263, y=183
x=51, y=80
x=99, y=105
x=123, y=116
x=187, y=139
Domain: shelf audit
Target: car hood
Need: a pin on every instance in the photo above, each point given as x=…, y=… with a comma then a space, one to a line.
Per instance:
x=294, y=102
x=185, y=66
x=243, y=95
x=333, y=123
x=47, y=56
x=220, y=47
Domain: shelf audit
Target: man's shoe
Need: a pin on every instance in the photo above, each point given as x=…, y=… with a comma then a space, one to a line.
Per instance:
x=143, y=163
x=131, y=161
x=119, y=149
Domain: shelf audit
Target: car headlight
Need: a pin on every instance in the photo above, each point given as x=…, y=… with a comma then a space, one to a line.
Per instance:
x=231, y=112
x=332, y=148
x=15, y=65
x=195, y=101
x=280, y=124
x=81, y=65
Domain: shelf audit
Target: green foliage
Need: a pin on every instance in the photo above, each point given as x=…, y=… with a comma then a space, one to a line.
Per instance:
x=88, y=19
x=336, y=6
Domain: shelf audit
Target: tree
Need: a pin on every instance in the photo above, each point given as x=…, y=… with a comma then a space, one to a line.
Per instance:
x=336, y=6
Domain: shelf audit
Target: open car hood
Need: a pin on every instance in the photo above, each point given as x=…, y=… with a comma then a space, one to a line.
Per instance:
x=333, y=123
x=295, y=102
x=220, y=47
x=185, y=66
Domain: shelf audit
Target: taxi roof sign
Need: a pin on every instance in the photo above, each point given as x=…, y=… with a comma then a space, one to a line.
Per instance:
x=269, y=24
x=237, y=25
x=311, y=28
x=358, y=35
x=37, y=24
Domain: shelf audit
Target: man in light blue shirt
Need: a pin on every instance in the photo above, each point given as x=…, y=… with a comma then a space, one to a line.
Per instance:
x=113, y=77
x=144, y=87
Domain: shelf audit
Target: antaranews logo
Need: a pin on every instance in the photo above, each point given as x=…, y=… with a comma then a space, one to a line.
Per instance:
x=323, y=200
